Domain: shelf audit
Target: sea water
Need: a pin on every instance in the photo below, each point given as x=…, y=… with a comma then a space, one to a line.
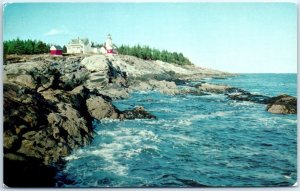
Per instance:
x=195, y=141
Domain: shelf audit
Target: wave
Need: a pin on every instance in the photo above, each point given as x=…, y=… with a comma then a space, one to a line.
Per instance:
x=123, y=144
x=242, y=103
x=180, y=137
x=211, y=115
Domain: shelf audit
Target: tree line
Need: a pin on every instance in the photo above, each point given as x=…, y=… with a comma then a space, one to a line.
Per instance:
x=17, y=46
x=147, y=53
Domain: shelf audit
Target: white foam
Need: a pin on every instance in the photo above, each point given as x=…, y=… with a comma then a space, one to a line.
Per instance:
x=211, y=115
x=287, y=177
x=77, y=154
x=222, y=113
x=296, y=184
x=268, y=122
x=126, y=144
x=184, y=122
x=242, y=103
x=293, y=121
x=71, y=157
x=148, y=135
x=116, y=168
x=181, y=137
x=275, y=120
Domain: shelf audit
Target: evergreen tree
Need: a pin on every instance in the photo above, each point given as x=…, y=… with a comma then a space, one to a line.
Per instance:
x=64, y=49
x=28, y=47
x=147, y=53
x=18, y=46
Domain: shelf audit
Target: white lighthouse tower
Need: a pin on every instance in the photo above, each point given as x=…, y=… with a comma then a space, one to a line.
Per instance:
x=109, y=45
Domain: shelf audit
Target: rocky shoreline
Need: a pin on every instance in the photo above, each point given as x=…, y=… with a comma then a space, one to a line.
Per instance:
x=282, y=104
x=50, y=103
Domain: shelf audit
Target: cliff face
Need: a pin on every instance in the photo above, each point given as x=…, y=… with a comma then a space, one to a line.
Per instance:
x=50, y=102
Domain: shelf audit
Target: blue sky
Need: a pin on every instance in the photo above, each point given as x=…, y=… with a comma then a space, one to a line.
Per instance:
x=233, y=37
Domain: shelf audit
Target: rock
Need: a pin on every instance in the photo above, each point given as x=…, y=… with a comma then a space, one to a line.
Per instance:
x=54, y=119
x=213, y=88
x=103, y=73
x=29, y=135
x=115, y=93
x=21, y=129
x=163, y=86
x=192, y=91
x=29, y=74
x=16, y=157
x=71, y=80
x=25, y=80
x=29, y=149
x=242, y=95
x=31, y=110
x=66, y=130
x=100, y=108
x=282, y=104
x=95, y=63
x=72, y=122
x=81, y=91
x=137, y=113
x=140, y=86
x=44, y=125
x=46, y=85
x=10, y=140
x=75, y=97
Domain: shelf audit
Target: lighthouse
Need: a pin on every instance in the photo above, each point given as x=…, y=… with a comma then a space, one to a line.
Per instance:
x=109, y=45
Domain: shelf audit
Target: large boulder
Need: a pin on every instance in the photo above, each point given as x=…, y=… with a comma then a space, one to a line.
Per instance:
x=164, y=87
x=96, y=63
x=137, y=113
x=99, y=108
x=282, y=104
x=23, y=107
x=46, y=127
x=213, y=88
x=103, y=73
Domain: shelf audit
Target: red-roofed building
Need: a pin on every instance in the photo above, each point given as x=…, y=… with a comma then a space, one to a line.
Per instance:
x=55, y=50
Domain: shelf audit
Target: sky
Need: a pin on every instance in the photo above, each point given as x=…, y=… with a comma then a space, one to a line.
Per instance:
x=232, y=37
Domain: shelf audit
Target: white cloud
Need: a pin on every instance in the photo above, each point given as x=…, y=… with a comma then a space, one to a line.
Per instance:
x=54, y=32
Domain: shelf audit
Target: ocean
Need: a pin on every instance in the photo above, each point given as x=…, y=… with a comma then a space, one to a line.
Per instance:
x=195, y=141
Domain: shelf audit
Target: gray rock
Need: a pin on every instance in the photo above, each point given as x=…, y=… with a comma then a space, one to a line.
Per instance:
x=137, y=113
x=213, y=88
x=283, y=104
x=10, y=140
x=100, y=108
x=26, y=80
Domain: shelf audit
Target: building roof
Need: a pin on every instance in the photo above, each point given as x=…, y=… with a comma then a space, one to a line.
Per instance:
x=84, y=41
x=55, y=47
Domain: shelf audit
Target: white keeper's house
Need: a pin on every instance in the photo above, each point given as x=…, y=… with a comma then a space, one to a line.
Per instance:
x=79, y=46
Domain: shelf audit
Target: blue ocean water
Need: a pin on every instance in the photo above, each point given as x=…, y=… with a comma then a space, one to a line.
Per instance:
x=196, y=141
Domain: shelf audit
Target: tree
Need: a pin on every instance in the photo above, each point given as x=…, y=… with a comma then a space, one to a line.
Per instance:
x=18, y=46
x=147, y=53
x=64, y=49
x=28, y=47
